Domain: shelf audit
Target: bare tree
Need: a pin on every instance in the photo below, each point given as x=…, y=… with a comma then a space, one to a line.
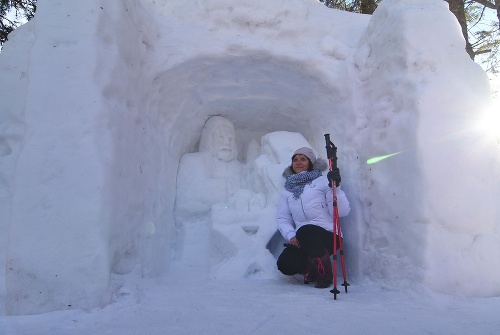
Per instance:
x=457, y=7
x=481, y=33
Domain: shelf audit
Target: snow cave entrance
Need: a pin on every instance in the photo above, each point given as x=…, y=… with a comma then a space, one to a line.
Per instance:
x=258, y=94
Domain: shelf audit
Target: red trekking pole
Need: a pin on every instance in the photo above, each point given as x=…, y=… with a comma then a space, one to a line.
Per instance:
x=331, y=152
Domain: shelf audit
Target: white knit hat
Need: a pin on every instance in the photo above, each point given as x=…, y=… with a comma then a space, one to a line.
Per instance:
x=306, y=152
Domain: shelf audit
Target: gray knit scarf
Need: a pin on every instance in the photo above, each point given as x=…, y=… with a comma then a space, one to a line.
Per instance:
x=296, y=182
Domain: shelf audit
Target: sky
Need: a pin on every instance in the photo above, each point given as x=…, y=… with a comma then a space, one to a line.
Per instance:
x=120, y=216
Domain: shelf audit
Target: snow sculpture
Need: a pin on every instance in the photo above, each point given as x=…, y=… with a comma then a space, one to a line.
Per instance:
x=224, y=226
x=88, y=167
x=214, y=181
x=253, y=229
x=211, y=175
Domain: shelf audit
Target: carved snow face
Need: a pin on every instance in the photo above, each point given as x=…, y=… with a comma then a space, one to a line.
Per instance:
x=219, y=138
x=224, y=143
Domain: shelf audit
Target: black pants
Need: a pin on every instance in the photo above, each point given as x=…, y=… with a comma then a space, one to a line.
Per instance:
x=314, y=242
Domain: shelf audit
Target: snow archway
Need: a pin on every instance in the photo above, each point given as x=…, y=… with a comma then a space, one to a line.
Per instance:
x=259, y=93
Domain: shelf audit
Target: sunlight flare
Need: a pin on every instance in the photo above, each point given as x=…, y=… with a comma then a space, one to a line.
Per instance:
x=377, y=159
x=490, y=122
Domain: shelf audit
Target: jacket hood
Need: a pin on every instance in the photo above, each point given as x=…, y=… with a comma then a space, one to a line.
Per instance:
x=319, y=165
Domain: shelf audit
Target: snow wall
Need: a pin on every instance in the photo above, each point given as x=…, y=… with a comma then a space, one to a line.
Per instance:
x=108, y=97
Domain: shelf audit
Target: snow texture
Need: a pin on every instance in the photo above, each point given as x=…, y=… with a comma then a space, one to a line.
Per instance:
x=107, y=181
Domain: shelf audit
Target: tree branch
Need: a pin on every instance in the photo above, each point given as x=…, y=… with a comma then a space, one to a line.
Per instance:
x=486, y=3
x=482, y=52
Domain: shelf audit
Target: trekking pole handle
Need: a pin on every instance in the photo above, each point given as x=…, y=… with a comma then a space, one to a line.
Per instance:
x=331, y=152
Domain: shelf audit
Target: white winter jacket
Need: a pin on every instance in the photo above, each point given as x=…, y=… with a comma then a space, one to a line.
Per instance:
x=314, y=206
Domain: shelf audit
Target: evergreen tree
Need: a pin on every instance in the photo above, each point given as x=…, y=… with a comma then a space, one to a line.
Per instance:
x=12, y=14
x=355, y=6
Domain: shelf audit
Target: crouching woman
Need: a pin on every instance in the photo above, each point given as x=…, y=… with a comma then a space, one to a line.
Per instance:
x=305, y=218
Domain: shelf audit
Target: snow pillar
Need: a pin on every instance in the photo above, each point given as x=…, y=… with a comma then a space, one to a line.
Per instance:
x=435, y=219
x=58, y=236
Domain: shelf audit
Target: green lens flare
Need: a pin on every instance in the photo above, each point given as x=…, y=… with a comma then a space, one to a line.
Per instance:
x=380, y=158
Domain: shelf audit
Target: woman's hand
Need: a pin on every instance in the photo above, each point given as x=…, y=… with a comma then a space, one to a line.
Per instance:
x=295, y=242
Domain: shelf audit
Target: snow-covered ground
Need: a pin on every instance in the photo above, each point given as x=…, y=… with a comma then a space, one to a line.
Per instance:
x=267, y=307
x=116, y=220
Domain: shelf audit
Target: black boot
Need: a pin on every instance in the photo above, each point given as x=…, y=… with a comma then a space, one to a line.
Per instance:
x=324, y=270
